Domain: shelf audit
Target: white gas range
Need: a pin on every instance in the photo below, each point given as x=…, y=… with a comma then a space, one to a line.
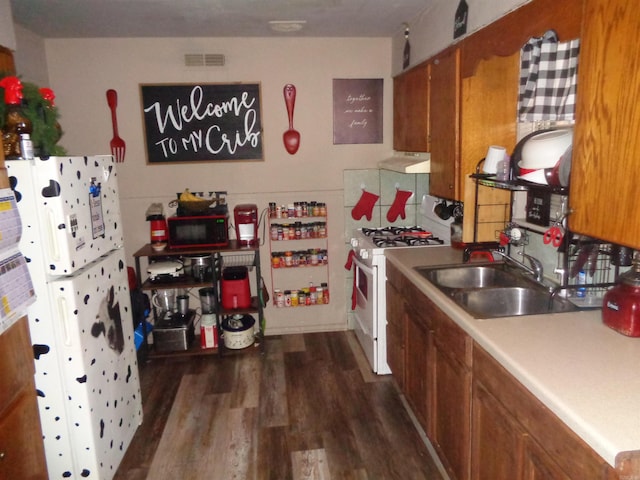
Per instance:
x=369, y=303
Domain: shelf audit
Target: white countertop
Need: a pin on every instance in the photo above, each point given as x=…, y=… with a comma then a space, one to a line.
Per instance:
x=583, y=371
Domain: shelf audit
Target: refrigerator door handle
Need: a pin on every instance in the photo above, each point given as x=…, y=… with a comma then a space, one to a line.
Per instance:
x=64, y=321
x=54, y=250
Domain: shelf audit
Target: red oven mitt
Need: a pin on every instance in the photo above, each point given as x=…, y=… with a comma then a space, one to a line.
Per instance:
x=364, y=205
x=399, y=203
x=349, y=266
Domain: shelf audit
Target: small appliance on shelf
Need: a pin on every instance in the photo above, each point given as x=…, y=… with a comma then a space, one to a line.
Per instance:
x=246, y=221
x=236, y=292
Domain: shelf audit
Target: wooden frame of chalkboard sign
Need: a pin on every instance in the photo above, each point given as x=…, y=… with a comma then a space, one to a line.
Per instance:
x=202, y=122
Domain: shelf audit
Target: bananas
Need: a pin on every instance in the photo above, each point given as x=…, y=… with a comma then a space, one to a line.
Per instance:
x=187, y=196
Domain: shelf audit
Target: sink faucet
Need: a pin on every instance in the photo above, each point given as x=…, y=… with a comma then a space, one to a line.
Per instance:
x=536, y=268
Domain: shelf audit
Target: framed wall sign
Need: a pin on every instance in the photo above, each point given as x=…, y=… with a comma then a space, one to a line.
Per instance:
x=202, y=122
x=357, y=110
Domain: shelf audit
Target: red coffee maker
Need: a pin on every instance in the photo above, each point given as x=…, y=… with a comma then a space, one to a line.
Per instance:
x=246, y=221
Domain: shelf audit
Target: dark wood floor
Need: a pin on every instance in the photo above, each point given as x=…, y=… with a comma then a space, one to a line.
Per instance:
x=308, y=408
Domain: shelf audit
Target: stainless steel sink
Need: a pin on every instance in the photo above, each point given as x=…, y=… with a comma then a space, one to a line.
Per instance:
x=494, y=290
x=470, y=276
x=510, y=301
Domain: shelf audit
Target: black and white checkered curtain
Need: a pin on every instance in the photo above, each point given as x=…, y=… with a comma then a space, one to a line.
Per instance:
x=548, y=77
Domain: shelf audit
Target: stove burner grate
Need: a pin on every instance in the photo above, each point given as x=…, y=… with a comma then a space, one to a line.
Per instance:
x=406, y=241
x=392, y=231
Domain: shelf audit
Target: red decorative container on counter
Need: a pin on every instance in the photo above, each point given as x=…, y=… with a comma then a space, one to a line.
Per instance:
x=621, y=305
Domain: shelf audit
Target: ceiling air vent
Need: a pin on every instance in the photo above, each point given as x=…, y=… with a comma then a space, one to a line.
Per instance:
x=204, y=59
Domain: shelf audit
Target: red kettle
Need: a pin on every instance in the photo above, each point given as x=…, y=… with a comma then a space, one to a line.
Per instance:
x=621, y=304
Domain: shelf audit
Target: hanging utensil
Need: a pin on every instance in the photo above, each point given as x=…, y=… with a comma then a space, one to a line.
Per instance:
x=117, y=144
x=291, y=137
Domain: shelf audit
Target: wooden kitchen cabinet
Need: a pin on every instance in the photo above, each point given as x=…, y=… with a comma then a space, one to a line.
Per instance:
x=417, y=375
x=396, y=334
x=515, y=436
x=21, y=447
x=437, y=375
x=452, y=394
x=409, y=344
x=444, y=125
x=538, y=465
x=411, y=110
x=606, y=152
x=497, y=441
x=501, y=447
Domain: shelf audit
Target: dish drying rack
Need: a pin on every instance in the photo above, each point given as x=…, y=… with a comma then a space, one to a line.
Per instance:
x=589, y=270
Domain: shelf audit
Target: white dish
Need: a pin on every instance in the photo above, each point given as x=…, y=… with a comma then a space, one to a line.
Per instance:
x=537, y=176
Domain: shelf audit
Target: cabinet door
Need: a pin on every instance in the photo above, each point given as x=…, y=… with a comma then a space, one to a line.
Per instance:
x=444, y=124
x=490, y=93
x=21, y=448
x=411, y=110
x=538, y=465
x=451, y=414
x=606, y=151
x=396, y=334
x=417, y=372
x=496, y=445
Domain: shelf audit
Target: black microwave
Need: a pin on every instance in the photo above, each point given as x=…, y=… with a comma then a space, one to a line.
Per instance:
x=198, y=231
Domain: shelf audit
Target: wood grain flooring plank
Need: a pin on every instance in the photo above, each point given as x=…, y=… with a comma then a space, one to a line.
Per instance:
x=240, y=455
x=274, y=461
x=177, y=440
x=273, y=406
x=246, y=387
x=157, y=401
x=305, y=409
x=293, y=343
x=310, y=465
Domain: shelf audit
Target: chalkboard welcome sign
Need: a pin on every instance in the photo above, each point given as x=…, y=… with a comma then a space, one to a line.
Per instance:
x=208, y=122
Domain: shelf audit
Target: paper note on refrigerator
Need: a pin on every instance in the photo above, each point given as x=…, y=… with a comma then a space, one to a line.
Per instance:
x=16, y=288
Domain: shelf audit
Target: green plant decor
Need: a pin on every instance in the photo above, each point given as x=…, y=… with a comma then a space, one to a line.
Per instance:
x=44, y=119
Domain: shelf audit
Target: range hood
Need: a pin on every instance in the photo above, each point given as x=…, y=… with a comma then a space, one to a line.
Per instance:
x=407, y=162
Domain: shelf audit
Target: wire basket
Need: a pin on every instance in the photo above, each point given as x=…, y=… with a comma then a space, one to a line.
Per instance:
x=590, y=272
x=239, y=260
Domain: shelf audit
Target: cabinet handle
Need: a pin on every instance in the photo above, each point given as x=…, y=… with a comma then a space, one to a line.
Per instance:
x=2, y=455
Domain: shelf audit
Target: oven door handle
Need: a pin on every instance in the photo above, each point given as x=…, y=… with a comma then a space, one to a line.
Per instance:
x=371, y=284
x=368, y=270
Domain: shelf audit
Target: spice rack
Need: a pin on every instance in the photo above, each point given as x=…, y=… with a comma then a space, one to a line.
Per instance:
x=299, y=254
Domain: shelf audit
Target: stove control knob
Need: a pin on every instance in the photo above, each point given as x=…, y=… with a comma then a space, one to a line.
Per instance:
x=354, y=242
x=364, y=253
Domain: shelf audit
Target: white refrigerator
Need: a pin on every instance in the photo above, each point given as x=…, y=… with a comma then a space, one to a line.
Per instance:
x=81, y=322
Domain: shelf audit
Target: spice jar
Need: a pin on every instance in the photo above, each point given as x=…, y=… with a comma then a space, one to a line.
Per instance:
x=288, y=259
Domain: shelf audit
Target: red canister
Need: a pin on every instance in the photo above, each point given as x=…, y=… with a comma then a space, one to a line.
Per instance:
x=158, y=228
x=621, y=304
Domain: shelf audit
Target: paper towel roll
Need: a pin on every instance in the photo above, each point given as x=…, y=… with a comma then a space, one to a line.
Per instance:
x=495, y=154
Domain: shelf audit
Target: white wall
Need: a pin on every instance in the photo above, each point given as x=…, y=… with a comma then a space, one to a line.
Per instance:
x=30, y=57
x=81, y=70
x=7, y=34
x=432, y=30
